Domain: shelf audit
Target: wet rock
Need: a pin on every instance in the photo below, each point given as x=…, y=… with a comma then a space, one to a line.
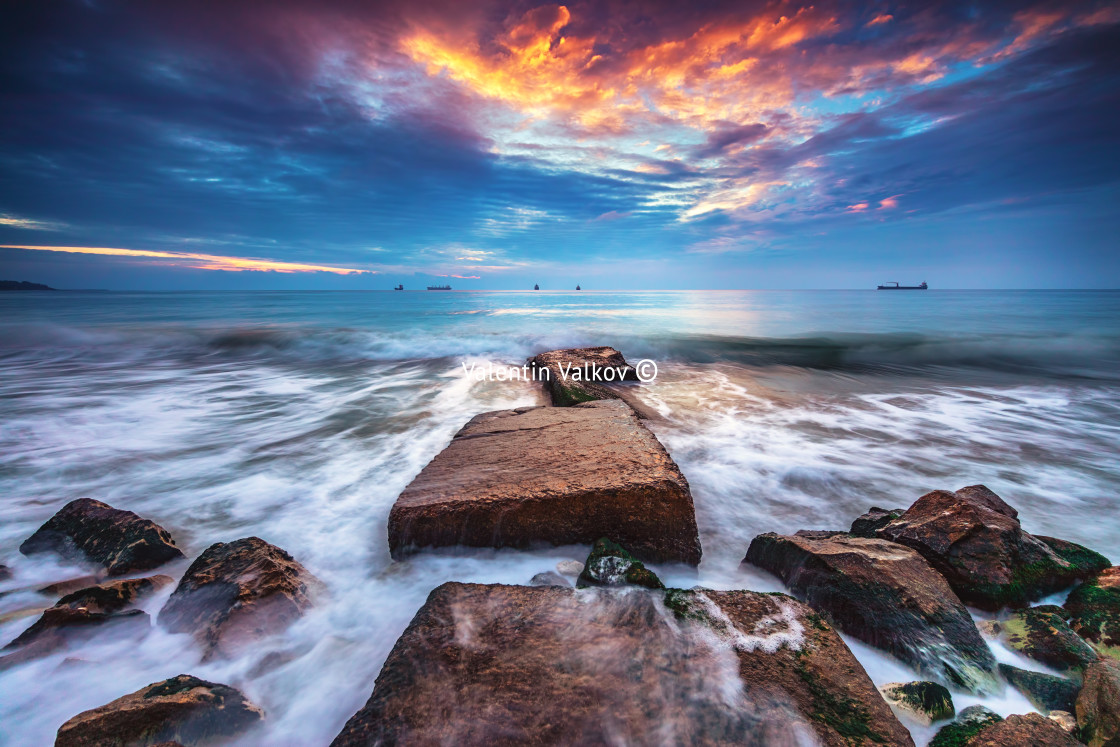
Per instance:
x=550, y=475
x=968, y=724
x=1094, y=611
x=874, y=520
x=91, y=531
x=549, y=578
x=924, y=701
x=580, y=374
x=1045, y=637
x=238, y=592
x=5, y=573
x=60, y=588
x=546, y=665
x=974, y=539
x=114, y=596
x=183, y=709
x=1064, y=719
x=58, y=627
x=1045, y=691
x=1098, y=705
x=1029, y=730
x=609, y=564
x=569, y=567
x=883, y=594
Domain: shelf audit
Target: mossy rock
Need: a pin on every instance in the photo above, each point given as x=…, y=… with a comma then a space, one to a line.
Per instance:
x=1045, y=637
x=969, y=723
x=610, y=564
x=1094, y=610
x=1045, y=691
x=928, y=701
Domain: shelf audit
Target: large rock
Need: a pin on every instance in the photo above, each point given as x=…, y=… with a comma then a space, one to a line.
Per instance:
x=1094, y=609
x=581, y=374
x=550, y=475
x=884, y=594
x=182, y=709
x=1098, y=705
x=875, y=519
x=974, y=539
x=115, y=595
x=92, y=531
x=238, y=592
x=1045, y=691
x=1029, y=730
x=968, y=724
x=548, y=665
x=1043, y=635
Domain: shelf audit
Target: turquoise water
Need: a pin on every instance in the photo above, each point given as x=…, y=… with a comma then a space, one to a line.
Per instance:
x=299, y=417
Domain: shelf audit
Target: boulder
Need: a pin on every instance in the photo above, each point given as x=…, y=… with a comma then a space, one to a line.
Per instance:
x=609, y=564
x=974, y=539
x=183, y=709
x=969, y=723
x=549, y=578
x=1029, y=730
x=1045, y=637
x=580, y=374
x=493, y=664
x=569, y=567
x=66, y=586
x=115, y=595
x=86, y=530
x=238, y=592
x=1094, y=611
x=1098, y=705
x=874, y=520
x=926, y=702
x=550, y=475
x=1045, y=691
x=883, y=594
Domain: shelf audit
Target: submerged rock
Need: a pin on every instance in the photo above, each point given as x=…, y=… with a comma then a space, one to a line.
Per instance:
x=968, y=724
x=92, y=531
x=1045, y=637
x=883, y=594
x=1098, y=705
x=62, y=626
x=1094, y=611
x=874, y=520
x=183, y=709
x=549, y=578
x=238, y=592
x=974, y=539
x=925, y=701
x=580, y=374
x=493, y=664
x=115, y=595
x=550, y=475
x=1045, y=691
x=5, y=572
x=609, y=564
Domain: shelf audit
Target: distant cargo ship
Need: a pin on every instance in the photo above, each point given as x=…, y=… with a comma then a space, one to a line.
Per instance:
x=896, y=287
x=439, y=287
x=399, y=288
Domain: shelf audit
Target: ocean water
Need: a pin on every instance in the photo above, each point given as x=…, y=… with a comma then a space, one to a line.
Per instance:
x=299, y=417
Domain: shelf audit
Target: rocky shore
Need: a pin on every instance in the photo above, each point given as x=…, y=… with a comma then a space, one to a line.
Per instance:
x=600, y=651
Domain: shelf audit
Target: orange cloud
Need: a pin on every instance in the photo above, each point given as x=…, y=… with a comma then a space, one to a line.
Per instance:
x=194, y=260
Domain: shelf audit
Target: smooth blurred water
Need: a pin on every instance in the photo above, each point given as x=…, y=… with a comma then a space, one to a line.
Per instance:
x=299, y=417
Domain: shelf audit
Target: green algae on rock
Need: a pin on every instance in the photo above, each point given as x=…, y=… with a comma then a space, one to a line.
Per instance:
x=609, y=564
x=1045, y=637
x=1094, y=611
x=969, y=722
x=925, y=701
x=1046, y=692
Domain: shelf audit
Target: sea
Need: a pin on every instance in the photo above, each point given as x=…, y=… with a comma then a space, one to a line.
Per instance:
x=298, y=417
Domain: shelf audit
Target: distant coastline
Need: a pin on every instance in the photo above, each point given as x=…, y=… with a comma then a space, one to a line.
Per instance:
x=23, y=285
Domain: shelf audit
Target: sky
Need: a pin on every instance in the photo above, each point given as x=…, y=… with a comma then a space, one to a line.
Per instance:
x=616, y=144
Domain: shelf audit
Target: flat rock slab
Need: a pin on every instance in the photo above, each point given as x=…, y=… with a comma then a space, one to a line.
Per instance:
x=497, y=665
x=581, y=374
x=550, y=475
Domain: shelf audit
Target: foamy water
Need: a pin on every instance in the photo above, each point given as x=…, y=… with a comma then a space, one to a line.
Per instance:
x=299, y=419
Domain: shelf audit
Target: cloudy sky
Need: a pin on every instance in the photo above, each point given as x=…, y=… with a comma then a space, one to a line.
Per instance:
x=617, y=144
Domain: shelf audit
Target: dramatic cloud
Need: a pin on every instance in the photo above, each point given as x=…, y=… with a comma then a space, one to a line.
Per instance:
x=550, y=137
